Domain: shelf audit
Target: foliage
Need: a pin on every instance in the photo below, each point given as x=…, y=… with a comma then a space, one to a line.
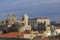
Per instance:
x=14, y=27
x=41, y=26
x=58, y=36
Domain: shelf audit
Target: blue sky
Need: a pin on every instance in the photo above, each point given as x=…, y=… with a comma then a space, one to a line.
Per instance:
x=34, y=8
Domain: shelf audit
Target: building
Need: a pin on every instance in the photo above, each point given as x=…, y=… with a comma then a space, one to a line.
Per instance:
x=24, y=23
x=12, y=18
x=57, y=29
x=42, y=26
x=40, y=22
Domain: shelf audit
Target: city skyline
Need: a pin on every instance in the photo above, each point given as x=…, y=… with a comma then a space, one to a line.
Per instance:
x=34, y=8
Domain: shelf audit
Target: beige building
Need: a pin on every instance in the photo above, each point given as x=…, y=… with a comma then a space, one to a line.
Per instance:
x=12, y=18
x=24, y=23
x=37, y=21
x=46, y=20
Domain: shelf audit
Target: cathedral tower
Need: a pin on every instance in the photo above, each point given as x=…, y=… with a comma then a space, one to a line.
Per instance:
x=14, y=18
x=25, y=18
x=9, y=17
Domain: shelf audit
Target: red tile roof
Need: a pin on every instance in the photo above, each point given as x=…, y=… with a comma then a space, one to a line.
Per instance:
x=11, y=35
x=46, y=38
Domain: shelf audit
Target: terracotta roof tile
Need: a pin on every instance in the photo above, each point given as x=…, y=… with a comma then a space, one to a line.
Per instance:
x=10, y=35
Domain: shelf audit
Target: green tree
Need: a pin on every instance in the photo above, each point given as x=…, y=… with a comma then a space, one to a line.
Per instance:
x=58, y=36
x=14, y=27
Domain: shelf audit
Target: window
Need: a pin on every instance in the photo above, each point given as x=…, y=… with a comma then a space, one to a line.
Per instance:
x=22, y=24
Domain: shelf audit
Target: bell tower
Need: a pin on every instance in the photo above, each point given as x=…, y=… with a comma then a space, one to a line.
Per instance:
x=14, y=18
x=25, y=18
x=9, y=17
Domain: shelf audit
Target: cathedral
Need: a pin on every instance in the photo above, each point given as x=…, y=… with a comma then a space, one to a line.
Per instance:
x=12, y=18
x=39, y=24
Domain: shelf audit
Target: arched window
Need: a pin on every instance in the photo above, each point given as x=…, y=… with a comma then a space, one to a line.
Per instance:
x=22, y=24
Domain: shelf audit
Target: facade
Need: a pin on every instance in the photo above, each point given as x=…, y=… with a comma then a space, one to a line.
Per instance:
x=24, y=23
x=12, y=18
x=57, y=29
x=40, y=22
x=28, y=26
x=37, y=23
x=36, y=20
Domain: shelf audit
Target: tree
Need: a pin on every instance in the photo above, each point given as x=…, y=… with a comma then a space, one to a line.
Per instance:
x=14, y=27
x=58, y=36
x=41, y=26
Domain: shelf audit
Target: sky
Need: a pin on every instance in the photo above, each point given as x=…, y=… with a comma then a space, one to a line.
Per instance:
x=34, y=8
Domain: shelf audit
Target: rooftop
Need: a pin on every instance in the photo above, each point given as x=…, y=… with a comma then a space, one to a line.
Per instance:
x=39, y=18
x=10, y=35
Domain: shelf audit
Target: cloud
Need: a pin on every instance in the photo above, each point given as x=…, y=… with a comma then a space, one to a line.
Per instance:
x=35, y=8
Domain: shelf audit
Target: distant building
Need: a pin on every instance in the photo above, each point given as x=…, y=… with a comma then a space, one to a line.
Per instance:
x=28, y=26
x=39, y=22
x=12, y=18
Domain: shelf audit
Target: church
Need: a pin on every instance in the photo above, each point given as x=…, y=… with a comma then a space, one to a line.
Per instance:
x=42, y=25
x=26, y=23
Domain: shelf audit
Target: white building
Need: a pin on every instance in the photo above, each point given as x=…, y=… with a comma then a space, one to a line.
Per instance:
x=35, y=22
x=57, y=29
x=24, y=23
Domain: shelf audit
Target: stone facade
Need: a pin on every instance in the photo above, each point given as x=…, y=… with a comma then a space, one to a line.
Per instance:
x=12, y=18
x=24, y=23
x=38, y=21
